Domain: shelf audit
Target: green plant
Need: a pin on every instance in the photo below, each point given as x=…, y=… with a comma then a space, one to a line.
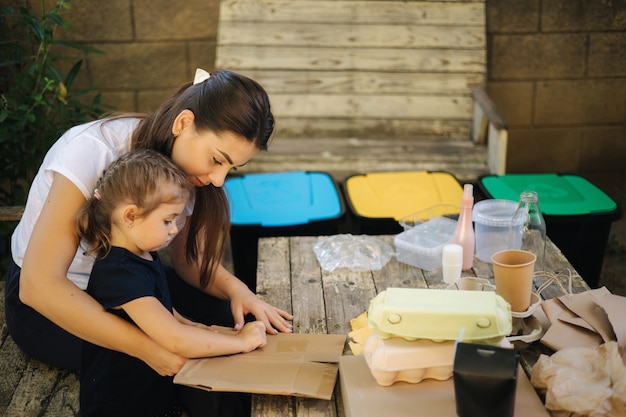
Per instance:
x=37, y=101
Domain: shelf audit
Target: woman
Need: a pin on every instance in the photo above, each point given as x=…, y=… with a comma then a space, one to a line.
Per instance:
x=217, y=123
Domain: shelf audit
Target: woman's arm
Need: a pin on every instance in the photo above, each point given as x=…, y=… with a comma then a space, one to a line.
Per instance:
x=226, y=286
x=45, y=287
x=187, y=339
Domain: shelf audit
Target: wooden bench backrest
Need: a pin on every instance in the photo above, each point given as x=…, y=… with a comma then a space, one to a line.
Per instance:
x=367, y=69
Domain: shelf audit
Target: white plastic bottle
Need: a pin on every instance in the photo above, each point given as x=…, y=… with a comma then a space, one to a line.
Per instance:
x=464, y=232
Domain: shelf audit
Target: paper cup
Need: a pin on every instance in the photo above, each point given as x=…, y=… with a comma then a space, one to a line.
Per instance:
x=513, y=272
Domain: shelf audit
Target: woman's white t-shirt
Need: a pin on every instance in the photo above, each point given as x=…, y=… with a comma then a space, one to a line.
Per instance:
x=81, y=155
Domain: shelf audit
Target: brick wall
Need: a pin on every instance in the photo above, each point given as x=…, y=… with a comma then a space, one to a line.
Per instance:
x=150, y=46
x=556, y=70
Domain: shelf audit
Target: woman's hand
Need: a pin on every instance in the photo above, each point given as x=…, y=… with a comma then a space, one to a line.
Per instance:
x=274, y=319
x=226, y=286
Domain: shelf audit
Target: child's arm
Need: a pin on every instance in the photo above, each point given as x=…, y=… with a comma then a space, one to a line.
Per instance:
x=189, y=340
x=184, y=320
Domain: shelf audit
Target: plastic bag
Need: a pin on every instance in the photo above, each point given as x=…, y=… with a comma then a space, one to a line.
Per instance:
x=583, y=381
x=358, y=253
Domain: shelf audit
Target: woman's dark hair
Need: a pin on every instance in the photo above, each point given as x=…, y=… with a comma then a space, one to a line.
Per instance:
x=226, y=102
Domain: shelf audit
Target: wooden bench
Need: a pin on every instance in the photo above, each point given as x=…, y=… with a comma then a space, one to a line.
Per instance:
x=361, y=86
x=466, y=160
x=29, y=388
x=11, y=213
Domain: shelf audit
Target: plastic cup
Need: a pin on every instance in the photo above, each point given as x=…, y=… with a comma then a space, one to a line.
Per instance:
x=513, y=271
x=452, y=262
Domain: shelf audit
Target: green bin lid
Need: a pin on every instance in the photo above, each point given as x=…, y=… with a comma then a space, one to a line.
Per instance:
x=559, y=194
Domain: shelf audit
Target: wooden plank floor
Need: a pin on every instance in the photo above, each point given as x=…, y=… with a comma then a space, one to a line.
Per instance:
x=28, y=388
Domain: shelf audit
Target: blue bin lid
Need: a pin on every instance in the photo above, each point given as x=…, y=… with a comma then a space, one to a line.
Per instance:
x=559, y=194
x=282, y=199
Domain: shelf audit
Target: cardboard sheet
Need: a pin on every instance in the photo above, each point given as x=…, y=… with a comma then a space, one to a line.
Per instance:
x=290, y=364
x=586, y=319
x=363, y=397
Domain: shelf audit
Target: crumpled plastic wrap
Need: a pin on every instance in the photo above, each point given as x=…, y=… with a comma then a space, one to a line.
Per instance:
x=583, y=381
x=356, y=252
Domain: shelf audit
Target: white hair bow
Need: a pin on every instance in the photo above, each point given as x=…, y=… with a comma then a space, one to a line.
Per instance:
x=201, y=75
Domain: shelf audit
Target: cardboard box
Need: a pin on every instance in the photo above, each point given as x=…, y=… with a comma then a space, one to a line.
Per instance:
x=302, y=365
x=363, y=397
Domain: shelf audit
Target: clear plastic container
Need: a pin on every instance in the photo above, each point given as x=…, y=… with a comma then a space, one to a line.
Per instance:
x=492, y=220
x=422, y=245
x=448, y=211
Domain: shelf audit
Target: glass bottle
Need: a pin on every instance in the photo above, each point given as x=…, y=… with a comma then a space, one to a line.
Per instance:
x=531, y=236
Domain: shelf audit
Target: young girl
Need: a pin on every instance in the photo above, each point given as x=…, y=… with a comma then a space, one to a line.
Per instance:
x=131, y=215
x=218, y=122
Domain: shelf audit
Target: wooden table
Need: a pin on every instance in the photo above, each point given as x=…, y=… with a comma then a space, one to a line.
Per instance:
x=289, y=276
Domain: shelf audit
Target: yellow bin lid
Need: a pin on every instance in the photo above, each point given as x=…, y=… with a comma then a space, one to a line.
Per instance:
x=399, y=194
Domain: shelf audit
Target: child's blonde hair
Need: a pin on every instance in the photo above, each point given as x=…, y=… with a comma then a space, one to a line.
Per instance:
x=142, y=177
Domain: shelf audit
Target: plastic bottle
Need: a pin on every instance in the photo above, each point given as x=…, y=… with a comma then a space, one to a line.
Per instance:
x=533, y=231
x=464, y=232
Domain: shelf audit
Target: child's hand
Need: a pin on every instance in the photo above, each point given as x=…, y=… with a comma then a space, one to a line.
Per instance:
x=253, y=336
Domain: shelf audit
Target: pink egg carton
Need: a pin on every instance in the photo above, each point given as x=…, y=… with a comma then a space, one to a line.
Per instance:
x=397, y=359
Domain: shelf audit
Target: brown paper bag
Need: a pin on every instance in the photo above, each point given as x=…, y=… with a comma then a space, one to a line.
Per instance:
x=566, y=328
x=585, y=320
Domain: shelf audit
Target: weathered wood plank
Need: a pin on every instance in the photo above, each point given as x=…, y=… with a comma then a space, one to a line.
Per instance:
x=274, y=283
x=11, y=213
x=400, y=12
x=306, y=281
x=273, y=272
x=32, y=395
x=371, y=82
x=308, y=308
x=461, y=158
x=350, y=35
x=65, y=397
x=348, y=59
x=29, y=388
x=304, y=127
x=344, y=294
x=398, y=275
x=372, y=106
x=272, y=406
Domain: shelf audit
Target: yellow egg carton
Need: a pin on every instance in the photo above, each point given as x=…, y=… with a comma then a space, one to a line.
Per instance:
x=439, y=315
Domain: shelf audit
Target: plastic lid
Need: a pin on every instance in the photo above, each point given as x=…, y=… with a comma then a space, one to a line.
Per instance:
x=558, y=194
x=428, y=237
x=398, y=194
x=282, y=199
x=497, y=213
